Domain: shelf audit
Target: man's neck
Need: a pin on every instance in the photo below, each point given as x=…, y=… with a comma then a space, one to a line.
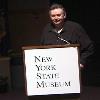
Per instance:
x=59, y=31
x=59, y=28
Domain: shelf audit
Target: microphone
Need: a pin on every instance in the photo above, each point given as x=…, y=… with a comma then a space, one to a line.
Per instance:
x=59, y=37
x=62, y=39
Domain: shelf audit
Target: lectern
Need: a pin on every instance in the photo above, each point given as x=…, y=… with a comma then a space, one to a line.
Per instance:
x=51, y=71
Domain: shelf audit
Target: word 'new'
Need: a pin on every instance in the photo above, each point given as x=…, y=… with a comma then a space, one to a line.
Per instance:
x=42, y=59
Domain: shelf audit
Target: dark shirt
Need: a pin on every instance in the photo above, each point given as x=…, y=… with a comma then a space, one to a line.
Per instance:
x=73, y=33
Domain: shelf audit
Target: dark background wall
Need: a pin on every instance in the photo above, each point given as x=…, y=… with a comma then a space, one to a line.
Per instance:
x=25, y=19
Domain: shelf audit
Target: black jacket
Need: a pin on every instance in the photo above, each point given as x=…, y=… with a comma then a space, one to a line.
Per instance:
x=73, y=33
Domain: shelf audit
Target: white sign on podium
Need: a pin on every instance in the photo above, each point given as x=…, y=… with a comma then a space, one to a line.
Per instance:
x=52, y=71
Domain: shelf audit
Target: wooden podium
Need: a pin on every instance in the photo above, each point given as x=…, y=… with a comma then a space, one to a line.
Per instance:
x=51, y=71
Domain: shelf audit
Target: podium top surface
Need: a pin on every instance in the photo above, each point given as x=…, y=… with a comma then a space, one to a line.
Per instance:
x=49, y=46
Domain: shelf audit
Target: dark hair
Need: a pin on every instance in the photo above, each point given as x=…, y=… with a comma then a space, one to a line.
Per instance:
x=55, y=6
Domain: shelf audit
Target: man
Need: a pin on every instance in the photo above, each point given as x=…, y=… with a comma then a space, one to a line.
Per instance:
x=61, y=31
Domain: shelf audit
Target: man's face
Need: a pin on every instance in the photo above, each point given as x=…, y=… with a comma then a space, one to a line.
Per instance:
x=57, y=16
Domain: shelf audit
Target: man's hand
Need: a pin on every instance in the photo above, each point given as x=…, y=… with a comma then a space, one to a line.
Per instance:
x=81, y=66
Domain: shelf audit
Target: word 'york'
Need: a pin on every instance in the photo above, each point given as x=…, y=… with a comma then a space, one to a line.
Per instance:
x=45, y=68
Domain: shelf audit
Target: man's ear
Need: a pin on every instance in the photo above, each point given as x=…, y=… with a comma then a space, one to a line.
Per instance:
x=65, y=15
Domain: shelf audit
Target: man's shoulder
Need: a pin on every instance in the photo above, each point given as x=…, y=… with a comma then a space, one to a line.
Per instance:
x=47, y=27
x=72, y=23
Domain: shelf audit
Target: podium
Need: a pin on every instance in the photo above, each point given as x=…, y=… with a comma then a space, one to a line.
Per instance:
x=51, y=71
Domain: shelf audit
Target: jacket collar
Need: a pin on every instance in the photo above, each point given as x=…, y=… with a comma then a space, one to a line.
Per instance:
x=52, y=28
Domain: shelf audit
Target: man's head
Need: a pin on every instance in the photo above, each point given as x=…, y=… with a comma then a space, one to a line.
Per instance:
x=57, y=14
